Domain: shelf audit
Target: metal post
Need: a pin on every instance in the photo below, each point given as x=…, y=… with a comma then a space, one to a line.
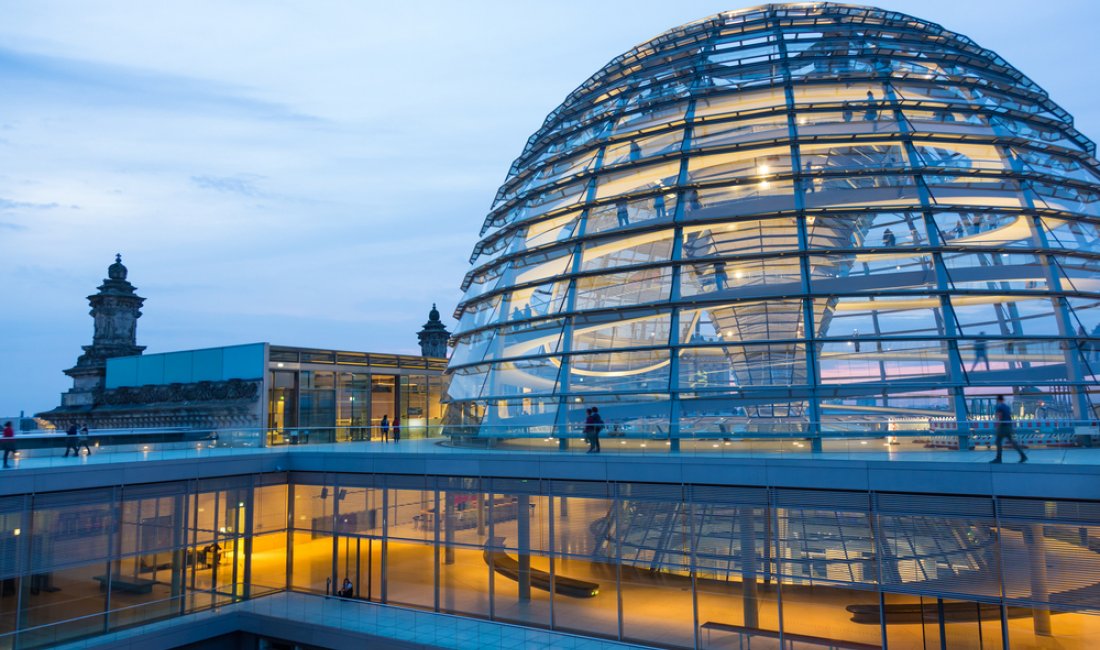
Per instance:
x=749, y=597
x=523, y=518
x=1037, y=567
x=449, y=527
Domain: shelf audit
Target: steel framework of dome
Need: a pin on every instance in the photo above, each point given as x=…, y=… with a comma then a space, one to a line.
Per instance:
x=791, y=217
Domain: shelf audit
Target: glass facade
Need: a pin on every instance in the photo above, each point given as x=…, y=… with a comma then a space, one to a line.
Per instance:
x=790, y=218
x=335, y=396
x=666, y=565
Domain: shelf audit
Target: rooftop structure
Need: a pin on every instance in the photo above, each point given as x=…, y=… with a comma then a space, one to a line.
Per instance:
x=722, y=542
x=290, y=392
x=115, y=310
x=789, y=218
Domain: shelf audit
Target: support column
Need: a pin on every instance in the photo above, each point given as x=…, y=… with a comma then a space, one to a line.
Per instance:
x=749, y=597
x=481, y=513
x=449, y=528
x=523, y=519
x=179, y=539
x=1037, y=567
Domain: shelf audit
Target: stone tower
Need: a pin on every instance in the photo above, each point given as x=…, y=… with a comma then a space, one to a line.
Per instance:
x=115, y=309
x=433, y=337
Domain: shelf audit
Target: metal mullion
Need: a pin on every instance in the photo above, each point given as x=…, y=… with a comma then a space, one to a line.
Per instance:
x=290, y=531
x=1074, y=373
x=617, y=505
x=693, y=570
x=435, y=547
x=808, y=325
x=956, y=369
x=566, y=345
x=674, y=298
x=385, y=541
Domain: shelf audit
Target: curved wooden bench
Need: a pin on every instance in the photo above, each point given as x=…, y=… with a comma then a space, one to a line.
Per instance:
x=508, y=566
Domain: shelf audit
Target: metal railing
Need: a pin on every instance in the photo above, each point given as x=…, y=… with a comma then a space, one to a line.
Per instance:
x=743, y=436
x=120, y=618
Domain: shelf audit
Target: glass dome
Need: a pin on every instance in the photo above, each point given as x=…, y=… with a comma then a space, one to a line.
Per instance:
x=788, y=218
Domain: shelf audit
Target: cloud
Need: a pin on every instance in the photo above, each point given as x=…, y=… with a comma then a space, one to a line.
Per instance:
x=8, y=204
x=244, y=185
x=85, y=83
x=4, y=225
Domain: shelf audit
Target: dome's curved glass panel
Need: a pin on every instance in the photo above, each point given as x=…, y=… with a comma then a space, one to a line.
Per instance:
x=783, y=217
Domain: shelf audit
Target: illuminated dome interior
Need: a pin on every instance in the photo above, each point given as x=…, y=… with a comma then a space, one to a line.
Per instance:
x=781, y=218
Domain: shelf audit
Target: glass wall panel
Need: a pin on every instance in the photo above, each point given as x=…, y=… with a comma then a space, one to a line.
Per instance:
x=312, y=566
x=737, y=592
x=612, y=290
x=70, y=602
x=410, y=573
x=654, y=541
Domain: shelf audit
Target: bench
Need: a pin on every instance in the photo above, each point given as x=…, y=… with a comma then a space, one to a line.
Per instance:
x=508, y=566
x=903, y=613
x=838, y=644
x=129, y=585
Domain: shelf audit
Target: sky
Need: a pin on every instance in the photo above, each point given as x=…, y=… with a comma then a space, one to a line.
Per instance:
x=315, y=173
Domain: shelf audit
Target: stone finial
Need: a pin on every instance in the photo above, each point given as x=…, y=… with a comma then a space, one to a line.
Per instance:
x=434, y=336
x=117, y=271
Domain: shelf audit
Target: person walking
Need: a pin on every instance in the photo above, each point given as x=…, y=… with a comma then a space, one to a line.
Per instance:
x=981, y=352
x=70, y=441
x=597, y=427
x=396, y=429
x=384, y=425
x=588, y=429
x=8, y=442
x=82, y=440
x=1003, y=420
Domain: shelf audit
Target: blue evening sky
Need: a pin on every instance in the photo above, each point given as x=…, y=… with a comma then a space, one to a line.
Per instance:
x=315, y=173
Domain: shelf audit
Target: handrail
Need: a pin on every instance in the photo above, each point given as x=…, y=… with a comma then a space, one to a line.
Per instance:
x=264, y=591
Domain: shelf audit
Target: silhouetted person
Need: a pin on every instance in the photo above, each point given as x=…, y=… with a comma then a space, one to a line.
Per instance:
x=621, y=214
x=597, y=427
x=720, y=277
x=659, y=206
x=384, y=426
x=347, y=590
x=588, y=426
x=1002, y=415
x=855, y=340
x=981, y=352
x=693, y=200
x=888, y=238
x=396, y=429
x=959, y=232
x=872, y=108
x=8, y=442
x=82, y=440
x=70, y=441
